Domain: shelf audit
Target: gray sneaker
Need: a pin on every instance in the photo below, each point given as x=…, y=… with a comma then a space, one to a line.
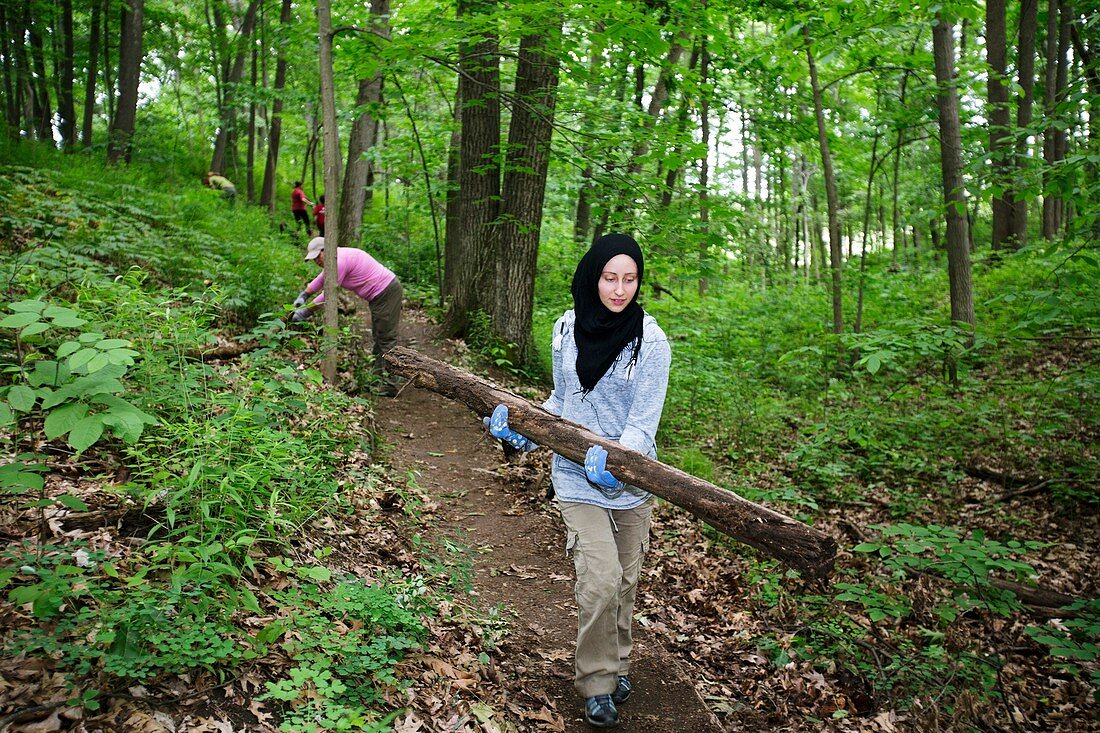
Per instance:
x=622, y=690
x=600, y=712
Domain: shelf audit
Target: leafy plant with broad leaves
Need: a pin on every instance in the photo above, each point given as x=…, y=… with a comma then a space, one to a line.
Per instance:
x=76, y=392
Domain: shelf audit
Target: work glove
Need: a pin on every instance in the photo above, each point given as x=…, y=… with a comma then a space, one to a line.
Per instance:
x=595, y=468
x=299, y=315
x=301, y=299
x=498, y=428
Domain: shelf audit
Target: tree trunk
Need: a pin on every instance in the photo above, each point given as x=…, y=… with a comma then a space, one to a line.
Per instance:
x=66, y=108
x=227, y=114
x=1026, y=65
x=332, y=183
x=1000, y=131
x=250, y=165
x=43, y=115
x=267, y=193
x=582, y=220
x=11, y=109
x=1053, y=92
x=108, y=82
x=947, y=102
x=119, y=143
x=805, y=548
x=452, y=239
x=517, y=234
x=858, y=327
x=363, y=136
x=1090, y=68
x=830, y=191
x=90, y=85
x=478, y=175
x=704, y=165
x=683, y=115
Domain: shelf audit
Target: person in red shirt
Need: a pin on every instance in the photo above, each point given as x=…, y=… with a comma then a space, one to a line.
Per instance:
x=319, y=215
x=298, y=203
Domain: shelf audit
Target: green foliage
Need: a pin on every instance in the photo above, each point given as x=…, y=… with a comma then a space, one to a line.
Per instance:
x=73, y=227
x=344, y=644
x=968, y=562
x=1073, y=641
x=491, y=348
x=96, y=620
x=76, y=392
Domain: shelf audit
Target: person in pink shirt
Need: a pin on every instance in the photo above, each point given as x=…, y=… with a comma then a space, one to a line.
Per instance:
x=365, y=276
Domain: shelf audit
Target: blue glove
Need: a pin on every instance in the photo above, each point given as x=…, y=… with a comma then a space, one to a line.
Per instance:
x=498, y=428
x=595, y=468
x=299, y=315
x=301, y=299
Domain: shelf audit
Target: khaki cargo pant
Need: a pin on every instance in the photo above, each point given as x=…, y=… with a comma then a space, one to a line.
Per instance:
x=607, y=547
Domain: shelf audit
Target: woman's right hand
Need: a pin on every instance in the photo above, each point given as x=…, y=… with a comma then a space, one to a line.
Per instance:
x=498, y=428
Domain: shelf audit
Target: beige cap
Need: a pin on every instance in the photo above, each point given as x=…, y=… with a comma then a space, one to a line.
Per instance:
x=315, y=247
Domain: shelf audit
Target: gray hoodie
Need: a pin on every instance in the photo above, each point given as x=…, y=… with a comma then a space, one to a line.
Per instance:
x=625, y=405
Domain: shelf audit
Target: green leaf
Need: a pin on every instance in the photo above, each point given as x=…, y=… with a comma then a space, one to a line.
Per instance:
x=19, y=320
x=67, y=348
x=28, y=306
x=21, y=398
x=86, y=432
x=34, y=328
x=72, y=502
x=82, y=357
x=68, y=321
x=6, y=415
x=316, y=572
x=97, y=362
x=107, y=344
x=64, y=418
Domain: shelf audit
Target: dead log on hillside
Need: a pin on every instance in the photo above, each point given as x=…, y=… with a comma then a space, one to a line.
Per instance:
x=809, y=550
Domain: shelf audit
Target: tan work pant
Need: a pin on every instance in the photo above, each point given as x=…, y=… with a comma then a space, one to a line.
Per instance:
x=607, y=547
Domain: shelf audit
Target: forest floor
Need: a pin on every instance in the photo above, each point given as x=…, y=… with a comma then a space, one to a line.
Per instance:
x=715, y=629
x=499, y=511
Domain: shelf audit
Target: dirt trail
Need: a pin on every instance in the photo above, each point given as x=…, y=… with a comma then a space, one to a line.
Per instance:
x=519, y=561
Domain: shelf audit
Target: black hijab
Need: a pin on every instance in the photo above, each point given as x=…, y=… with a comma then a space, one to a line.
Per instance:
x=600, y=334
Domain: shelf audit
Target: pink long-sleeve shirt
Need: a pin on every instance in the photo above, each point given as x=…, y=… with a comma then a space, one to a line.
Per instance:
x=356, y=271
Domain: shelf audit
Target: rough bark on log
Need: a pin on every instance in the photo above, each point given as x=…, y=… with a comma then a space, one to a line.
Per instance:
x=807, y=549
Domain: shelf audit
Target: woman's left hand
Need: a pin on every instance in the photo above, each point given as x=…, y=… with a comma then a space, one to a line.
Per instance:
x=595, y=467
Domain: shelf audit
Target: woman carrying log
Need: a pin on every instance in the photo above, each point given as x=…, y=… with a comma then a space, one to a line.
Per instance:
x=611, y=363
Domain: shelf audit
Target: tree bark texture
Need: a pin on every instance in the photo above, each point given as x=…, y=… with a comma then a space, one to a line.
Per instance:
x=954, y=197
x=471, y=254
x=332, y=182
x=11, y=109
x=119, y=144
x=228, y=111
x=66, y=109
x=517, y=233
x=90, y=84
x=43, y=115
x=808, y=549
x=1054, y=78
x=832, y=198
x=363, y=136
x=267, y=192
x=1025, y=63
x=1000, y=130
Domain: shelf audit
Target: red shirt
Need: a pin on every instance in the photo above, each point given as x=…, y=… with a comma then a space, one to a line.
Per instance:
x=298, y=200
x=319, y=213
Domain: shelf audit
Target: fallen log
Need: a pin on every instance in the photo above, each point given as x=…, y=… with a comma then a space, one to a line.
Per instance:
x=803, y=547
